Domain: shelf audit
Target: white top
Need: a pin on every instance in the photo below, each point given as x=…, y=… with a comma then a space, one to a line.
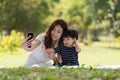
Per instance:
x=38, y=56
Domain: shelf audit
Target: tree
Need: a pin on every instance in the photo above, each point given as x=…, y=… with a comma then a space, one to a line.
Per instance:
x=23, y=15
x=88, y=17
x=115, y=17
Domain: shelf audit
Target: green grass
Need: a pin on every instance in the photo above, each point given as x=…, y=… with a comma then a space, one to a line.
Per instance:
x=23, y=73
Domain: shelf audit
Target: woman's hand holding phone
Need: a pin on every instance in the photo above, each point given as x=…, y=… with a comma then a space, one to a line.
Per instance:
x=27, y=41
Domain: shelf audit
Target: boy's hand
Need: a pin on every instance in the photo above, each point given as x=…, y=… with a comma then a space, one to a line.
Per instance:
x=59, y=59
x=77, y=47
x=75, y=40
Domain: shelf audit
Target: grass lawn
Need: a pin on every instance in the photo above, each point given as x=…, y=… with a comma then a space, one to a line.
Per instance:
x=89, y=55
x=13, y=59
x=101, y=56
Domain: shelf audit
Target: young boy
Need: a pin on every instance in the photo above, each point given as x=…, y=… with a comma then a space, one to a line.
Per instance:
x=68, y=52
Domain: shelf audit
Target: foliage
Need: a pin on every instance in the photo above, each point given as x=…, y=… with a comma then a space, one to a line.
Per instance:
x=89, y=17
x=11, y=42
x=23, y=15
x=23, y=73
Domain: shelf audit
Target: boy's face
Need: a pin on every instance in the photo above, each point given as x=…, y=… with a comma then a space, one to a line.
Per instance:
x=68, y=41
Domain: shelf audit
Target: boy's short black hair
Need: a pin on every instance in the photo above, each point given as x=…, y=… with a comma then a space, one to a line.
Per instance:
x=71, y=33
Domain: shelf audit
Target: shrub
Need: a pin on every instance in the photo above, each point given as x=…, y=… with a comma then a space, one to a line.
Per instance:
x=23, y=73
x=11, y=42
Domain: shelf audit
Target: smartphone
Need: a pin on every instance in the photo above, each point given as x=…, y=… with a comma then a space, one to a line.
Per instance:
x=30, y=35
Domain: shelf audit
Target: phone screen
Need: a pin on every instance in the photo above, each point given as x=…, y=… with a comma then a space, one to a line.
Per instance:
x=30, y=35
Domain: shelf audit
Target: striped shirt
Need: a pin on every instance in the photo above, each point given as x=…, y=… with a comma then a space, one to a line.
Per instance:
x=68, y=54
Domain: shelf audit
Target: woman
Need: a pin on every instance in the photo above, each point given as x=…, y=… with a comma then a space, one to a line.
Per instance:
x=52, y=38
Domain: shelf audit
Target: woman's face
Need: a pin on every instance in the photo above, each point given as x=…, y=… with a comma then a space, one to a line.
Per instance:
x=56, y=32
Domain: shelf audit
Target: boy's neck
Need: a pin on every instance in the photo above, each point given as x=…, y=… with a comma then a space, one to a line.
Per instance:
x=69, y=46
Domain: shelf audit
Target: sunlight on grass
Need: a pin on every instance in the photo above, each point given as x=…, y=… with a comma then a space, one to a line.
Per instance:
x=101, y=56
x=106, y=44
x=14, y=59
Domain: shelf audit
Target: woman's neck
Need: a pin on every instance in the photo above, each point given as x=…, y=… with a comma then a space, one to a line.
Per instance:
x=53, y=43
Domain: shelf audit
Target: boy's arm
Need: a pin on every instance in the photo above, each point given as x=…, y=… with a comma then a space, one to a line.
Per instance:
x=59, y=58
x=77, y=46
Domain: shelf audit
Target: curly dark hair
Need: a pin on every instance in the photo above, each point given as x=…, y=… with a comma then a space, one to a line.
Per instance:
x=71, y=33
x=48, y=39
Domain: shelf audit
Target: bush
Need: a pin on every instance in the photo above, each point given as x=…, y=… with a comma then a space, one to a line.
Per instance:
x=11, y=42
x=23, y=73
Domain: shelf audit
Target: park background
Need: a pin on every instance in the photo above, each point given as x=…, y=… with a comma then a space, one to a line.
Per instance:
x=97, y=22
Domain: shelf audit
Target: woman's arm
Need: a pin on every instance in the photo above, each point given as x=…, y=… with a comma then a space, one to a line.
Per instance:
x=77, y=46
x=50, y=50
x=32, y=43
x=56, y=59
x=51, y=53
